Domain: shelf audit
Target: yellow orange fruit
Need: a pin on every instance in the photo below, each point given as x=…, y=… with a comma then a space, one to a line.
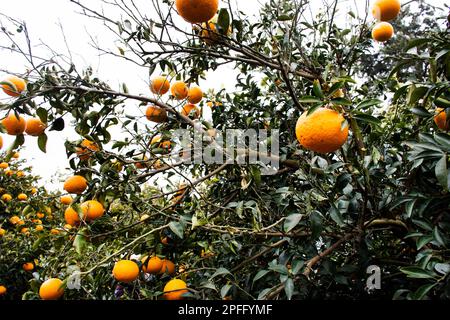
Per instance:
x=39, y=228
x=156, y=114
x=75, y=184
x=385, y=10
x=209, y=33
x=92, y=210
x=4, y=165
x=66, y=200
x=153, y=265
x=71, y=217
x=25, y=231
x=35, y=127
x=3, y=290
x=16, y=155
x=22, y=197
x=174, y=289
x=9, y=172
x=168, y=267
x=190, y=110
x=2, y=232
x=197, y=11
x=126, y=271
x=54, y=231
x=382, y=32
x=14, y=220
x=14, y=86
x=6, y=197
x=40, y=215
x=179, y=90
x=195, y=95
x=322, y=131
x=441, y=119
x=34, y=190
x=1, y=142
x=86, y=150
x=13, y=124
x=28, y=266
x=159, y=85
x=51, y=289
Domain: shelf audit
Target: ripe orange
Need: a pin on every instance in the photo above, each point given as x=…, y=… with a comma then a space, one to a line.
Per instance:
x=6, y=197
x=40, y=215
x=382, y=32
x=25, y=231
x=14, y=87
x=92, y=210
x=9, y=172
x=168, y=267
x=51, y=289
x=195, y=95
x=143, y=164
x=39, y=227
x=54, y=231
x=179, y=90
x=29, y=266
x=191, y=110
x=14, y=125
x=71, y=217
x=4, y=165
x=209, y=33
x=34, y=190
x=22, y=197
x=66, y=200
x=86, y=149
x=126, y=271
x=322, y=130
x=2, y=232
x=165, y=241
x=76, y=184
x=174, y=289
x=441, y=119
x=1, y=142
x=153, y=266
x=3, y=290
x=156, y=114
x=20, y=222
x=385, y=10
x=20, y=174
x=35, y=127
x=14, y=220
x=159, y=85
x=36, y=221
x=197, y=11
x=16, y=155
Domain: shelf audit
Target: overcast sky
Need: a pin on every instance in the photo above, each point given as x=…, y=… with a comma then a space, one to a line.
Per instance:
x=42, y=18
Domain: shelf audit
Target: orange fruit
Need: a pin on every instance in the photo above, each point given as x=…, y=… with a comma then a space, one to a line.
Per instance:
x=3, y=290
x=168, y=267
x=197, y=11
x=20, y=222
x=68, y=227
x=71, y=216
x=14, y=219
x=51, y=289
x=36, y=221
x=34, y=190
x=35, y=127
x=86, y=149
x=20, y=174
x=92, y=210
x=29, y=266
x=153, y=265
x=165, y=241
x=4, y=165
x=209, y=33
x=156, y=114
x=9, y=172
x=143, y=164
x=39, y=228
x=191, y=110
x=174, y=289
x=195, y=95
x=54, y=231
x=76, y=184
x=14, y=86
x=1, y=142
x=179, y=90
x=66, y=200
x=385, y=10
x=25, y=231
x=6, y=197
x=14, y=125
x=159, y=85
x=322, y=130
x=16, y=155
x=382, y=32
x=22, y=197
x=126, y=271
x=40, y=215
x=441, y=119
x=2, y=232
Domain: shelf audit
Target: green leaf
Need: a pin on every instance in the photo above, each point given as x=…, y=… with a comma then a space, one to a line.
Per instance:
x=367, y=118
x=443, y=140
x=368, y=103
x=421, y=112
x=289, y=288
x=415, y=94
x=58, y=125
x=284, y=17
x=309, y=99
x=219, y=272
x=442, y=172
x=335, y=214
x=223, y=21
x=341, y=102
x=42, y=114
x=292, y=221
x=80, y=242
x=279, y=268
x=423, y=241
x=317, y=89
x=423, y=290
x=177, y=228
x=225, y=289
x=260, y=274
x=416, y=272
x=42, y=142
x=438, y=237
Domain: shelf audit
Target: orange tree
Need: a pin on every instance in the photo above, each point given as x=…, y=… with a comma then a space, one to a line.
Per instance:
x=366, y=186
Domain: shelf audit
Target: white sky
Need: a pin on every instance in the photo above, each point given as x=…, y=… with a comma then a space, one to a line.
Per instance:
x=42, y=18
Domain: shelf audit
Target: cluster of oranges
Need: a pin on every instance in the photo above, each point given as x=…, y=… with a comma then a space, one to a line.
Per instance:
x=384, y=11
